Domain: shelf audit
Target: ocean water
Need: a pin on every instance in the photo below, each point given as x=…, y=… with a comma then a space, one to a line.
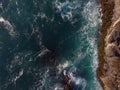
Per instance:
x=43, y=40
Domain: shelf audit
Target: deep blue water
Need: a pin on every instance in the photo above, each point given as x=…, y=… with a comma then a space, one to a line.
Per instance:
x=42, y=40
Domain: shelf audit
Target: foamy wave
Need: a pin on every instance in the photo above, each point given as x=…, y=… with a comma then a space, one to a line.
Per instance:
x=18, y=76
x=91, y=13
x=67, y=9
x=64, y=65
x=94, y=64
x=43, y=52
x=78, y=81
x=7, y=26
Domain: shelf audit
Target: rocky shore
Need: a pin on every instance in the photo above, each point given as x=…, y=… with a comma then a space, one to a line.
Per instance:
x=109, y=45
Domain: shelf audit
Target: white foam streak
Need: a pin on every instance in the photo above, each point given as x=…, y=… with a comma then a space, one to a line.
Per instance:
x=2, y=19
x=64, y=65
x=94, y=65
x=67, y=8
x=91, y=14
x=43, y=52
x=77, y=80
x=18, y=76
x=7, y=26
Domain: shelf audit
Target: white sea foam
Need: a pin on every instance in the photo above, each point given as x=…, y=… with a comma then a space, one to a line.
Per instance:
x=56, y=87
x=94, y=64
x=60, y=8
x=91, y=14
x=7, y=26
x=18, y=10
x=75, y=79
x=63, y=66
x=18, y=76
x=67, y=9
x=43, y=52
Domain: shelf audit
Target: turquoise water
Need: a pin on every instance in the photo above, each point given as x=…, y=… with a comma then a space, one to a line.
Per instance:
x=43, y=40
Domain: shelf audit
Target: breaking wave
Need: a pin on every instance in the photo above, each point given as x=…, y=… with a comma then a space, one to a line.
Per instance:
x=55, y=39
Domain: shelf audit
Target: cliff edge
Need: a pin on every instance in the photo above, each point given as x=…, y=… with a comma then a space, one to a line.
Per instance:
x=109, y=46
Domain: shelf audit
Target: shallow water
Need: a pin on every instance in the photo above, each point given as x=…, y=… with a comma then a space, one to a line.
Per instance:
x=41, y=40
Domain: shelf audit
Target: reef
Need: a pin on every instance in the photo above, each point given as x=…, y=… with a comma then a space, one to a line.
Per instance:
x=108, y=71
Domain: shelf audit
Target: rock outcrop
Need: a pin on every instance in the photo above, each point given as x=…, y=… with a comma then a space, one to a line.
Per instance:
x=109, y=46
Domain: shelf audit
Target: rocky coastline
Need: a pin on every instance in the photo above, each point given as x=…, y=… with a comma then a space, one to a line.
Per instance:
x=108, y=71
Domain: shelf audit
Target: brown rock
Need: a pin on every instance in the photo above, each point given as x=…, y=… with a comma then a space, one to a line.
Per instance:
x=109, y=46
